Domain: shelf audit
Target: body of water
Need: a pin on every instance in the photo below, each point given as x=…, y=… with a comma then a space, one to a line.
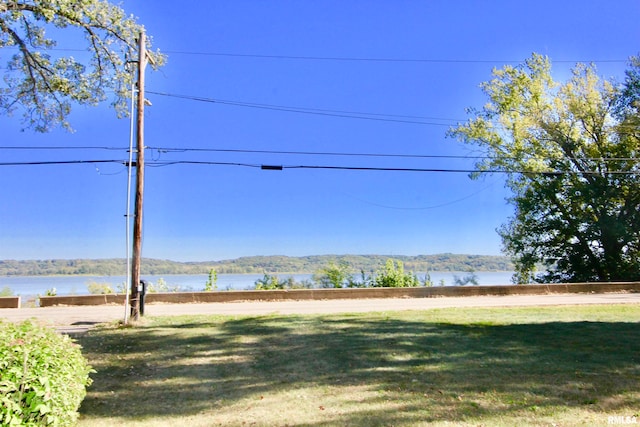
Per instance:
x=78, y=285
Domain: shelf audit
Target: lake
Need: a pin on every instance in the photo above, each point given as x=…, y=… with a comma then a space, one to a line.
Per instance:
x=77, y=285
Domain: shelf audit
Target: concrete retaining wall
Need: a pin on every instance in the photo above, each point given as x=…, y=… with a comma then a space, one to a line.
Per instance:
x=9, y=302
x=328, y=294
x=82, y=300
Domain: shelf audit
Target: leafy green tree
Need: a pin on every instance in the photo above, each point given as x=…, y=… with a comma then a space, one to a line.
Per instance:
x=334, y=275
x=212, y=281
x=426, y=280
x=268, y=282
x=628, y=101
x=394, y=276
x=41, y=82
x=570, y=152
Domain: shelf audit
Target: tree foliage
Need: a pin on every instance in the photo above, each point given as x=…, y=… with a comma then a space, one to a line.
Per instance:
x=41, y=82
x=334, y=275
x=394, y=276
x=570, y=151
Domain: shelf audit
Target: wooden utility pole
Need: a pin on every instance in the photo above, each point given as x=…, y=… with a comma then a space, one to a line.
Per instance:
x=137, y=219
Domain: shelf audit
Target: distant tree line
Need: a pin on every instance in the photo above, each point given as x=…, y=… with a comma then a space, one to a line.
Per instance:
x=254, y=265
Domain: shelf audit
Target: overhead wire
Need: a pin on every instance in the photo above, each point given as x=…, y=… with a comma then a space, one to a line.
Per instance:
x=160, y=149
x=382, y=117
x=59, y=147
x=278, y=167
x=467, y=171
x=306, y=110
x=356, y=154
x=201, y=162
x=58, y=162
x=421, y=208
x=316, y=111
x=352, y=58
x=379, y=59
x=409, y=119
x=312, y=153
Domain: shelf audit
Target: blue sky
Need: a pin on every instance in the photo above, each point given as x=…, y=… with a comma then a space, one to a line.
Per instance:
x=323, y=55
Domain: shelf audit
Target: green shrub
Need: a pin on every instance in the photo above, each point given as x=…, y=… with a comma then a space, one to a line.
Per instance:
x=394, y=276
x=212, y=281
x=366, y=280
x=268, y=282
x=271, y=282
x=426, y=280
x=43, y=376
x=6, y=292
x=96, y=288
x=121, y=288
x=334, y=275
x=161, y=285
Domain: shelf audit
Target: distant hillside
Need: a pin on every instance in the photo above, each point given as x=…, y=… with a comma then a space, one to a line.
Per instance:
x=310, y=264
x=254, y=264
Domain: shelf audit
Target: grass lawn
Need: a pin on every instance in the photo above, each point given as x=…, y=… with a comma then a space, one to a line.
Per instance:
x=555, y=366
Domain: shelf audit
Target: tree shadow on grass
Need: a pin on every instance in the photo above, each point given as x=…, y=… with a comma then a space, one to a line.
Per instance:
x=433, y=371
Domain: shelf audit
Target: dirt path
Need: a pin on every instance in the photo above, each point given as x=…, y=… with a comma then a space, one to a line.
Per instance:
x=79, y=319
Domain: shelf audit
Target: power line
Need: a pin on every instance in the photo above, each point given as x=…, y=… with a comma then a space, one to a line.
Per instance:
x=397, y=118
x=59, y=162
x=370, y=59
x=380, y=205
x=58, y=147
x=354, y=58
x=317, y=111
x=325, y=167
x=249, y=151
x=200, y=162
x=387, y=169
x=442, y=170
x=392, y=155
x=293, y=152
x=313, y=153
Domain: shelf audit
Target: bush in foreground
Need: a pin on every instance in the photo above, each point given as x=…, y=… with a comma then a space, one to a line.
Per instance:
x=43, y=376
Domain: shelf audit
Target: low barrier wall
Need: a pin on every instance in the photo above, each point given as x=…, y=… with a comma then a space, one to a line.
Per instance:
x=82, y=300
x=344, y=293
x=9, y=302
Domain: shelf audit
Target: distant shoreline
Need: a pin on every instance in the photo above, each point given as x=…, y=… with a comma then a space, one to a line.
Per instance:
x=273, y=264
x=80, y=285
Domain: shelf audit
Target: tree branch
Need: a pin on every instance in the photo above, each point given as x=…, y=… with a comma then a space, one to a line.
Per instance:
x=37, y=71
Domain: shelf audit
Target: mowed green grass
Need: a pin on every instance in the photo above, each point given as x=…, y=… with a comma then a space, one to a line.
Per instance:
x=560, y=366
